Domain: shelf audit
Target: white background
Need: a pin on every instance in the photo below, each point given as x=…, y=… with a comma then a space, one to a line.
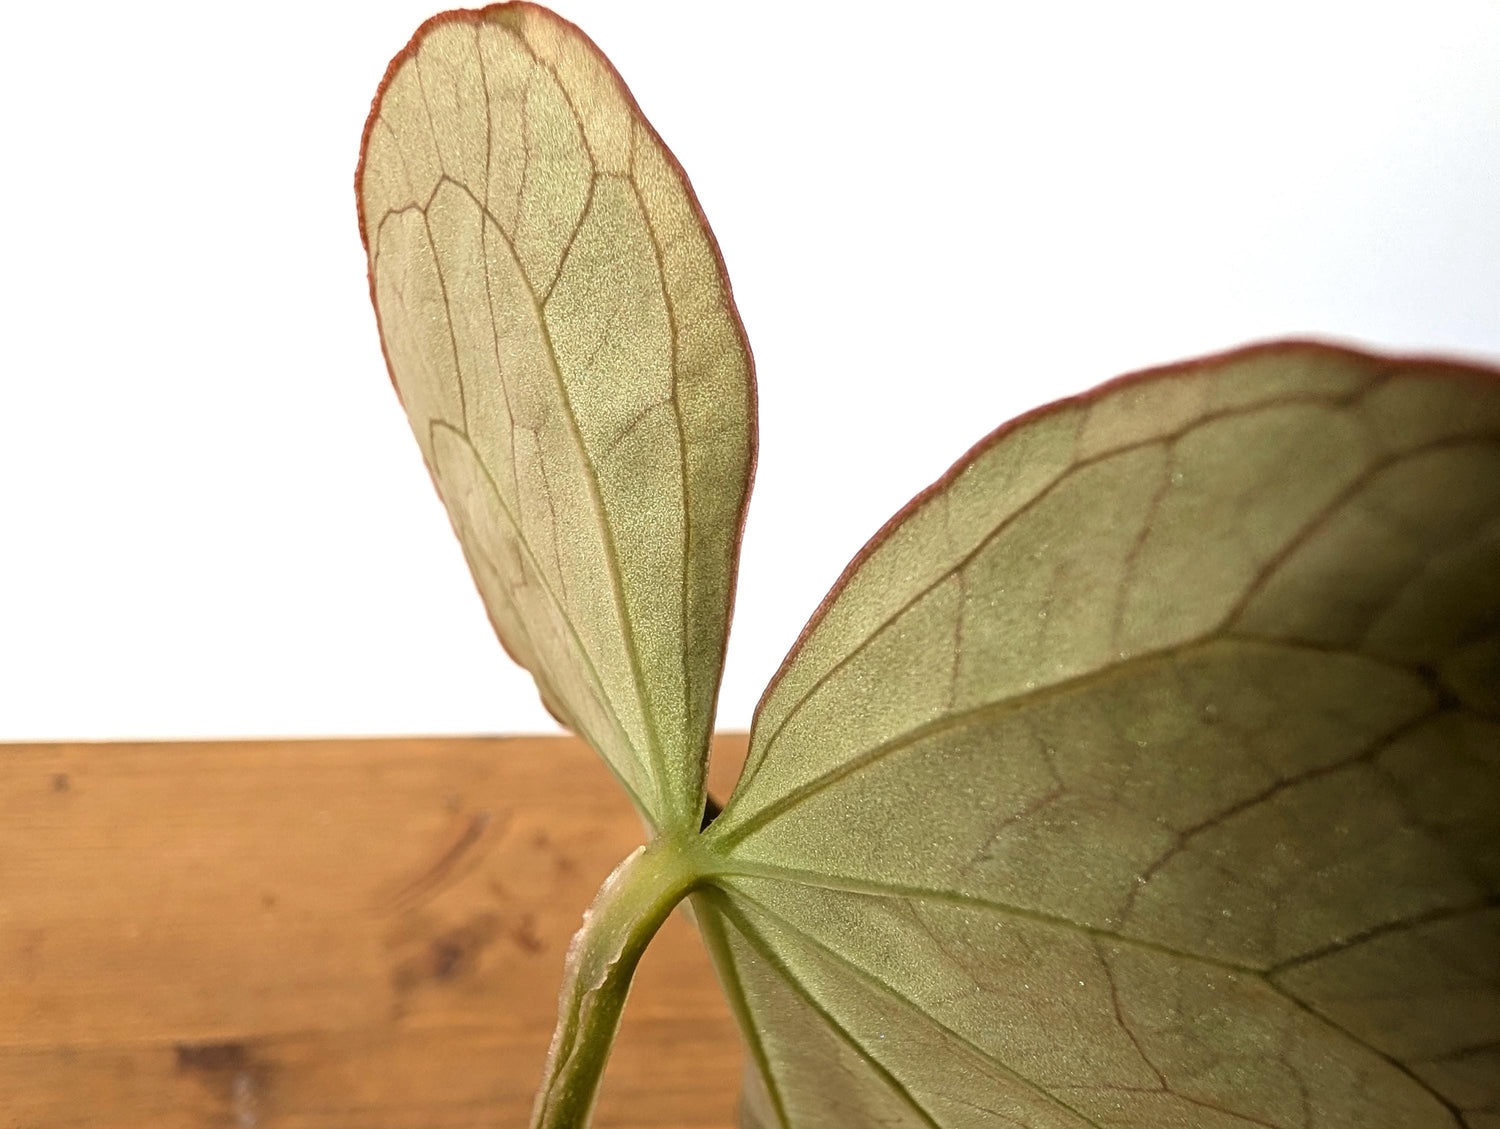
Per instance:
x=213, y=520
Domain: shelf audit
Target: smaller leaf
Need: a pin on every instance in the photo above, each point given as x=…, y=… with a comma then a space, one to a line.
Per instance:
x=559, y=326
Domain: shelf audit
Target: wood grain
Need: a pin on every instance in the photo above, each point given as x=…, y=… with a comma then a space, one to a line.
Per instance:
x=326, y=934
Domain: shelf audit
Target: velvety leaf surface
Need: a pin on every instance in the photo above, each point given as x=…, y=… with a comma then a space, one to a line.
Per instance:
x=1145, y=772
x=558, y=325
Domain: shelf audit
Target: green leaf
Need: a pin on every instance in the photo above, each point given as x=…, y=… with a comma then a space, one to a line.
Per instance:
x=557, y=322
x=1145, y=771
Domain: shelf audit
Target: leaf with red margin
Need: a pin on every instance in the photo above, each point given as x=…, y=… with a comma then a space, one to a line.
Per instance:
x=1145, y=771
x=558, y=324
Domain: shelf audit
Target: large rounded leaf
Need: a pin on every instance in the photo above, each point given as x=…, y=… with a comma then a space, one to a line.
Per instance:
x=557, y=322
x=1145, y=772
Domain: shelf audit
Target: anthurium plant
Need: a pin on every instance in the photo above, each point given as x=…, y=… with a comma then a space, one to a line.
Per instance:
x=1143, y=771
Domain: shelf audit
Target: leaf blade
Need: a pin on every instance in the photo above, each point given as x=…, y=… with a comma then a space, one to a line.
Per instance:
x=1212, y=788
x=549, y=292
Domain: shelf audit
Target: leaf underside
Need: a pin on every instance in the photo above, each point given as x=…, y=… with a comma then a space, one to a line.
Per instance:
x=530, y=241
x=1146, y=772
x=1143, y=772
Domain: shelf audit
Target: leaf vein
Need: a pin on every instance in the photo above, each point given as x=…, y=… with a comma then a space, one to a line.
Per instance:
x=873, y=981
x=759, y=943
x=1005, y=523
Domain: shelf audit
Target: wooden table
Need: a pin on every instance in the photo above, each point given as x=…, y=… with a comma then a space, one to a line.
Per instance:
x=353, y=934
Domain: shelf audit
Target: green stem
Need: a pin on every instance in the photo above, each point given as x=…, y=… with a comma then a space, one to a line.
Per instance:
x=625, y=914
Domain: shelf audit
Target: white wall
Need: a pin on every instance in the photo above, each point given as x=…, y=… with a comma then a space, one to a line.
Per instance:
x=213, y=520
